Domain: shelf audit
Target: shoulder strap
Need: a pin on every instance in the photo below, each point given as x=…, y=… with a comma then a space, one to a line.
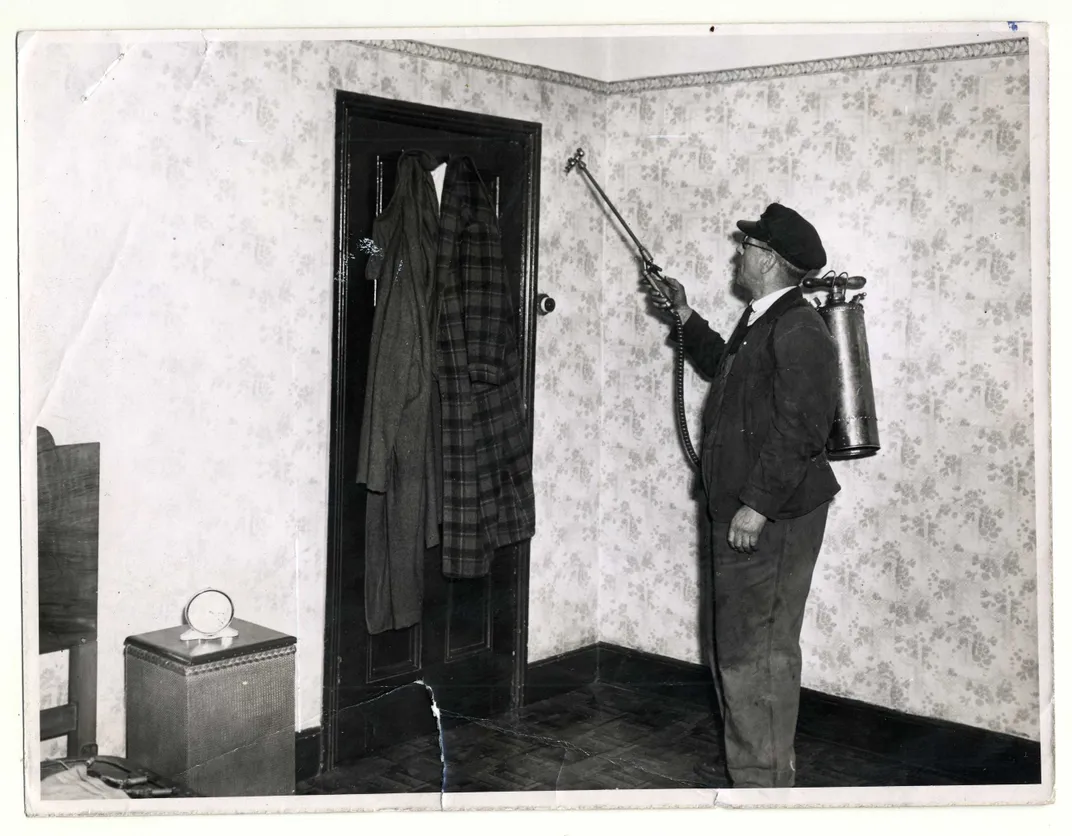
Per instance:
x=774, y=324
x=770, y=341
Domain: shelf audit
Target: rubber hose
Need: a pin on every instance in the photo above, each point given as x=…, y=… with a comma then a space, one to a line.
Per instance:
x=679, y=391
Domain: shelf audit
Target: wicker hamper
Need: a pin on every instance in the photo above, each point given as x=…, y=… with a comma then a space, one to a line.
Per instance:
x=219, y=719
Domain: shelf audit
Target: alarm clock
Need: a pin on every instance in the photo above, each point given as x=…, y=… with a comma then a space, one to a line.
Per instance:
x=208, y=614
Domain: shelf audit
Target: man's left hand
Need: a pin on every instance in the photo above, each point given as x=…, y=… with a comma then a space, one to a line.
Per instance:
x=745, y=529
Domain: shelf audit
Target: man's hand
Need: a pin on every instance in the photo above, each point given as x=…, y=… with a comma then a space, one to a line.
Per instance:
x=745, y=529
x=673, y=291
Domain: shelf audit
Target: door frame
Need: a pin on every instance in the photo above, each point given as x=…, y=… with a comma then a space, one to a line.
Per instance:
x=528, y=135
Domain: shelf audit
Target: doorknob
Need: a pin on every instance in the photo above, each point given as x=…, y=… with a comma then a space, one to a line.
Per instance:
x=544, y=303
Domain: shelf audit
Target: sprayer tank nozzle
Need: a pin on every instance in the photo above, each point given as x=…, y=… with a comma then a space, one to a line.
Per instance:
x=575, y=160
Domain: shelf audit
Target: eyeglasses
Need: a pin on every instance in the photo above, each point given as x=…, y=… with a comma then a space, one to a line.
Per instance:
x=757, y=246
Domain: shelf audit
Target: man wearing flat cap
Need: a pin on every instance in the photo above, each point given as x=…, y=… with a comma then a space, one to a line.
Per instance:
x=768, y=485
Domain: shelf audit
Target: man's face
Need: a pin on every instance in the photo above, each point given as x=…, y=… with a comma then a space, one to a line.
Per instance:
x=750, y=255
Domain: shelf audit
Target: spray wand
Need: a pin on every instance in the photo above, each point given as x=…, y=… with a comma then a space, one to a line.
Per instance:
x=651, y=271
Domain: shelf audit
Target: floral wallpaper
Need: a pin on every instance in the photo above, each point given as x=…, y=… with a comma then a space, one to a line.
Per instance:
x=176, y=306
x=176, y=287
x=917, y=178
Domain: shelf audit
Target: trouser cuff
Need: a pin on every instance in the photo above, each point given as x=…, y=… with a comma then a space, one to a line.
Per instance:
x=762, y=778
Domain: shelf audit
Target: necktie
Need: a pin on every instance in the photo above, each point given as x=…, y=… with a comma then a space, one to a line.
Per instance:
x=738, y=333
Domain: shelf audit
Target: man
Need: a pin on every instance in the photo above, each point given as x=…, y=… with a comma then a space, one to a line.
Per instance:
x=768, y=485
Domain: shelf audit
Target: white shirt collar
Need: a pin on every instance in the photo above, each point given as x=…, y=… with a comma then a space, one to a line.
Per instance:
x=762, y=305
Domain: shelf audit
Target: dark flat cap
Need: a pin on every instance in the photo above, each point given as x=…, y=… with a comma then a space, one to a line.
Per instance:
x=789, y=235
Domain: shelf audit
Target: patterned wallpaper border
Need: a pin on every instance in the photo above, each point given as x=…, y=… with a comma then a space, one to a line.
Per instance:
x=876, y=60
x=487, y=62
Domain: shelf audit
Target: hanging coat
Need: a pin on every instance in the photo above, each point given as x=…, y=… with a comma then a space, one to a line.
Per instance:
x=487, y=497
x=395, y=460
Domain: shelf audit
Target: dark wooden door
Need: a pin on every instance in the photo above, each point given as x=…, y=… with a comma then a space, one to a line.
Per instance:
x=469, y=649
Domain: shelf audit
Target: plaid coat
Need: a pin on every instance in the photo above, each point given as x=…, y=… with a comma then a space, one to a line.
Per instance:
x=487, y=499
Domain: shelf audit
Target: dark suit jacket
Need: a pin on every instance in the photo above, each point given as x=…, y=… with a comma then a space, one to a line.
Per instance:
x=765, y=432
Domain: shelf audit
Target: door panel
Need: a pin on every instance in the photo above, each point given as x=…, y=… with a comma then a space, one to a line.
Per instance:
x=469, y=648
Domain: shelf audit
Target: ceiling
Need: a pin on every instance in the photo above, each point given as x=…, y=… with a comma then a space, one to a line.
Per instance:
x=639, y=52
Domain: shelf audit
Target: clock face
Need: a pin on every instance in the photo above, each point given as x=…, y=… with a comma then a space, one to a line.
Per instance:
x=209, y=611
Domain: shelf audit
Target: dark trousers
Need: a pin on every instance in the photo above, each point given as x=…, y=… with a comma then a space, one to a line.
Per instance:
x=757, y=608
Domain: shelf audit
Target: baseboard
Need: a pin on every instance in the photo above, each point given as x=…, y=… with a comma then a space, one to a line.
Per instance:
x=975, y=756
x=656, y=674
x=307, y=754
x=971, y=755
x=561, y=674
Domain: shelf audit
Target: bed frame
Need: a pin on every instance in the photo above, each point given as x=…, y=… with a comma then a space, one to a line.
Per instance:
x=68, y=509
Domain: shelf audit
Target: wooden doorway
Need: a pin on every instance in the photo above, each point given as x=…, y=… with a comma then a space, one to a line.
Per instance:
x=470, y=648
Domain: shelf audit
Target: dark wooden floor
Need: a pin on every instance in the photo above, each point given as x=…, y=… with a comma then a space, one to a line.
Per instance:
x=597, y=738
